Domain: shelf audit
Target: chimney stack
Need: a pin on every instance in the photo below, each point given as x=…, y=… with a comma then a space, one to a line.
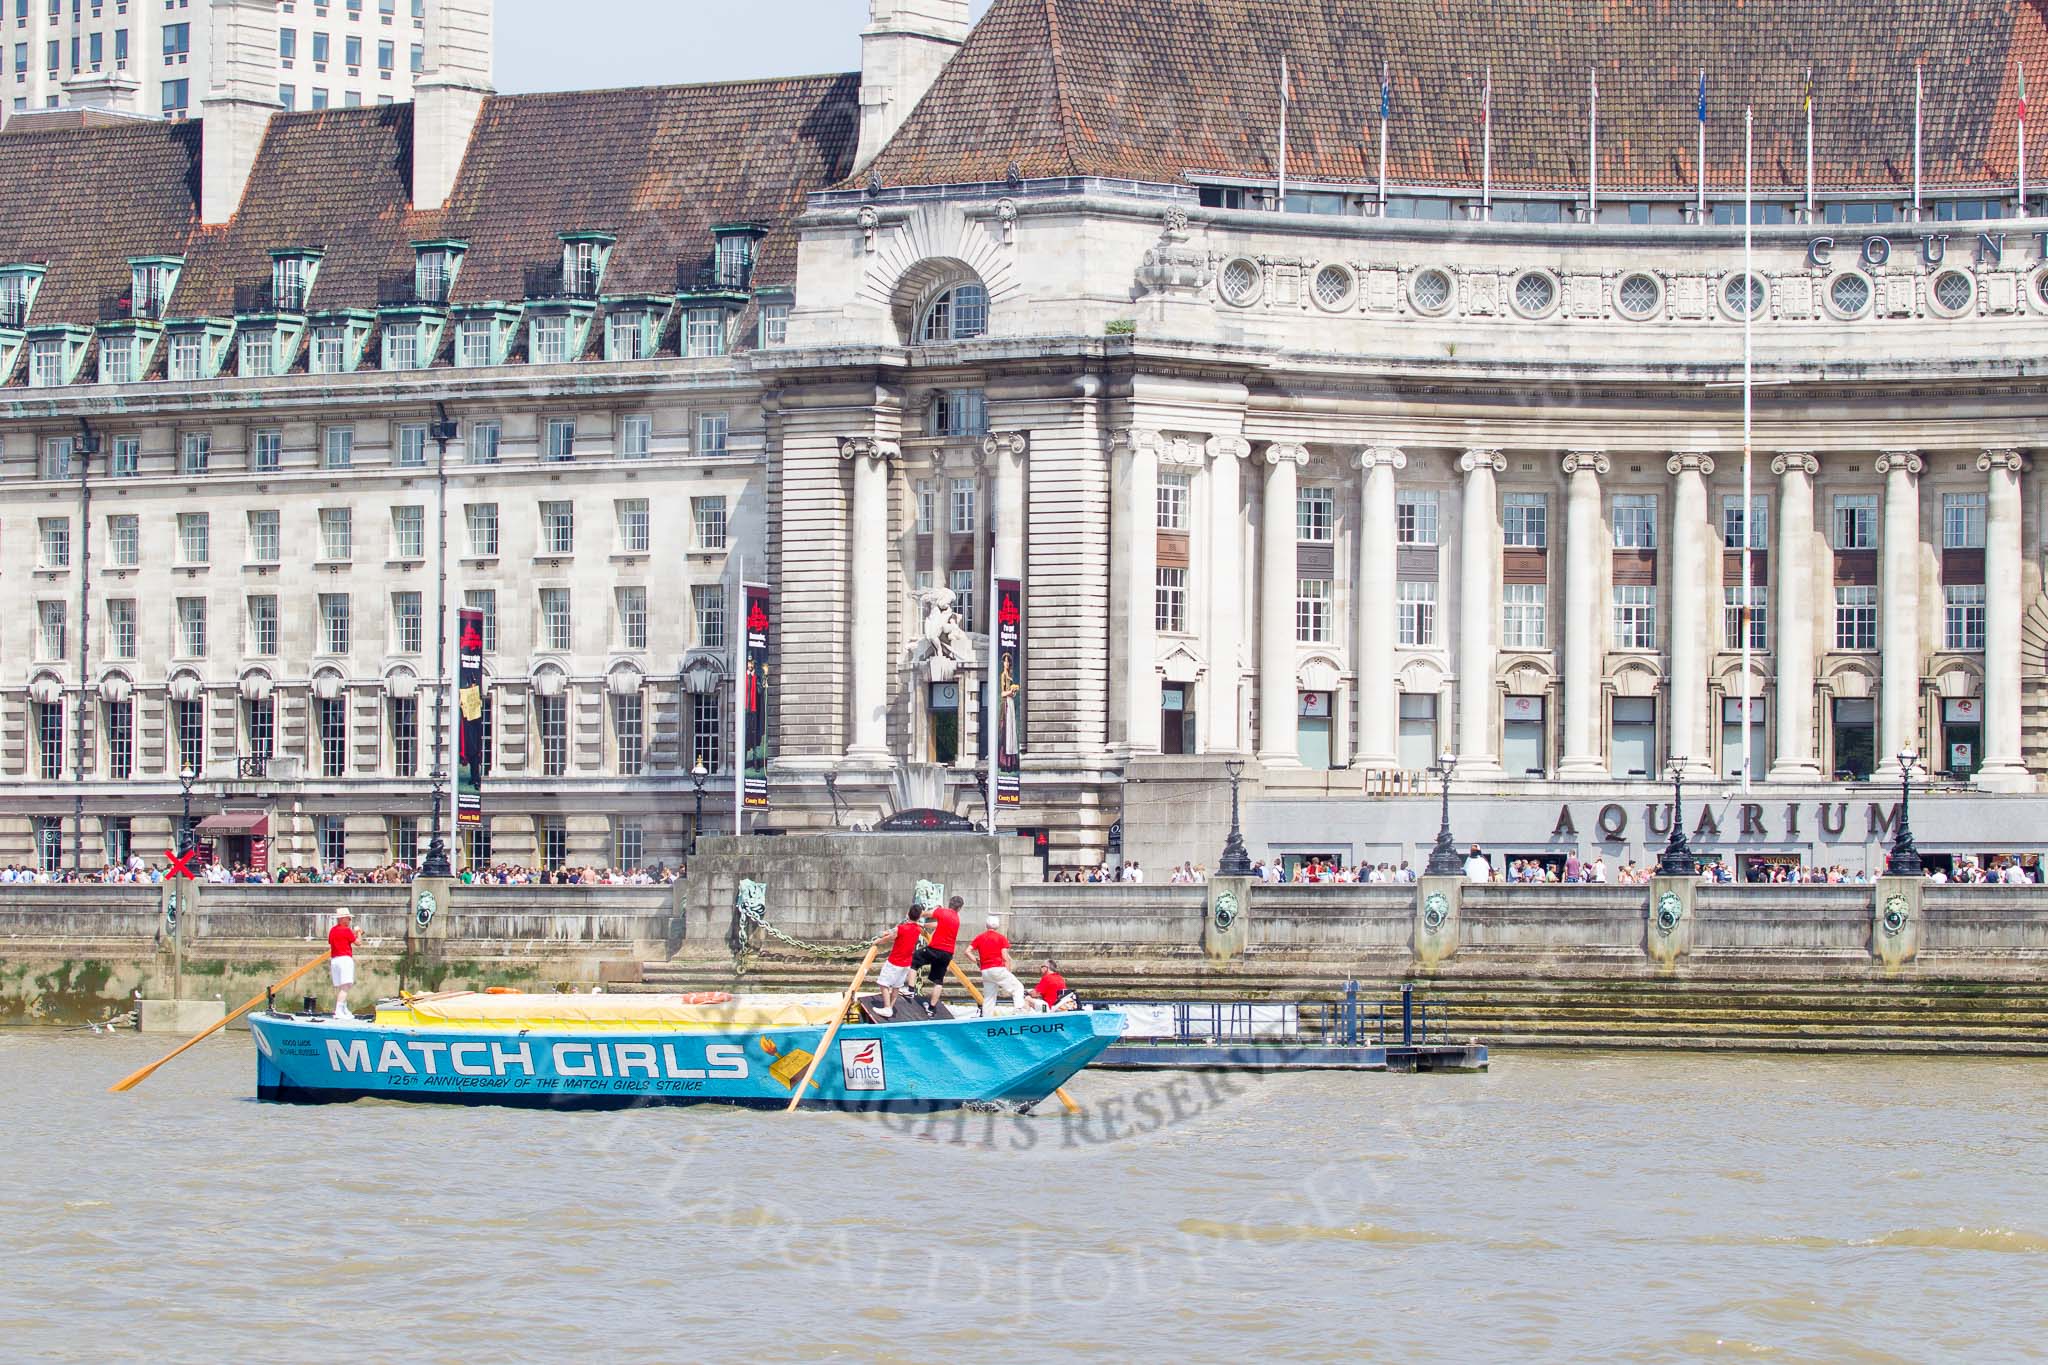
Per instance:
x=904, y=47
x=237, y=110
x=449, y=95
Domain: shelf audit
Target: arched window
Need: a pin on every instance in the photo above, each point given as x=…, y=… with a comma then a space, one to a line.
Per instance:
x=959, y=314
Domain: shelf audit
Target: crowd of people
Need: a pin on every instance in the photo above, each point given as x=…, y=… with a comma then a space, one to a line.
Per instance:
x=138, y=872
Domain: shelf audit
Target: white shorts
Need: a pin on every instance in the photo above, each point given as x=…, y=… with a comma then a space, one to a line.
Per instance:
x=343, y=970
x=895, y=978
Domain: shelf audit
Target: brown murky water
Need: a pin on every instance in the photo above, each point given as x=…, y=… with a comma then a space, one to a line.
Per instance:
x=1563, y=1207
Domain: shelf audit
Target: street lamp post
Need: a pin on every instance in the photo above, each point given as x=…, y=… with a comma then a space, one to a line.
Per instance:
x=1905, y=855
x=697, y=776
x=186, y=777
x=443, y=430
x=1443, y=858
x=83, y=447
x=1677, y=859
x=1236, y=860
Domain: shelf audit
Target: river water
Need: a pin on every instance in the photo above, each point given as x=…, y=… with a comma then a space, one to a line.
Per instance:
x=1562, y=1207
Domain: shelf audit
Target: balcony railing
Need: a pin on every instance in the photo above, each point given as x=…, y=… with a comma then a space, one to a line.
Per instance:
x=13, y=313
x=253, y=767
x=412, y=291
x=713, y=276
x=264, y=298
x=125, y=305
x=555, y=282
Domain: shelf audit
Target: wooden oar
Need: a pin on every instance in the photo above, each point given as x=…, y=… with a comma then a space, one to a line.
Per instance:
x=1065, y=1098
x=130, y=1082
x=845, y=1006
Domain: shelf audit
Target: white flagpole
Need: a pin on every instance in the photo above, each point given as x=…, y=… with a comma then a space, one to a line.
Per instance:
x=1748, y=392
x=2022, y=139
x=1280, y=206
x=1699, y=164
x=991, y=687
x=1809, y=145
x=1486, y=147
x=1918, y=92
x=1593, y=144
x=736, y=646
x=1386, y=90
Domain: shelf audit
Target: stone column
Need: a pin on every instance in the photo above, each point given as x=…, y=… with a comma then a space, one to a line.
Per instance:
x=1379, y=702
x=2004, y=768
x=1279, y=704
x=1792, y=645
x=1005, y=451
x=1135, y=581
x=1222, y=714
x=1899, y=610
x=984, y=512
x=1584, y=616
x=942, y=522
x=868, y=598
x=1687, y=684
x=1478, y=612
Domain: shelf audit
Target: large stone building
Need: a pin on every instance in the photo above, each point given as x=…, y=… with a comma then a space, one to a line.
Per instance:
x=1332, y=478
x=160, y=58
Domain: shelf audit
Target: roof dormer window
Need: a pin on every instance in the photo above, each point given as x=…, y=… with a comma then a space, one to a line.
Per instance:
x=121, y=358
x=151, y=279
x=292, y=271
x=434, y=266
x=732, y=256
x=584, y=257
x=336, y=342
x=18, y=285
x=55, y=355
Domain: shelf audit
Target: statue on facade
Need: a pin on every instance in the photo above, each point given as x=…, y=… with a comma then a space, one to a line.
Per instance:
x=942, y=647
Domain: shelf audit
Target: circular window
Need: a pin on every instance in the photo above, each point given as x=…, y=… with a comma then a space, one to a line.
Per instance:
x=2041, y=286
x=1743, y=294
x=1241, y=281
x=1639, y=295
x=1430, y=290
x=1535, y=292
x=1849, y=295
x=1954, y=291
x=1333, y=286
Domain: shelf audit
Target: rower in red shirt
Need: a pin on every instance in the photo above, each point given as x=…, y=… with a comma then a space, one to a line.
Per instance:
x=896, y=971
x=936, y=955
x=341, y=960
x=1052, y=990
x=992, y=951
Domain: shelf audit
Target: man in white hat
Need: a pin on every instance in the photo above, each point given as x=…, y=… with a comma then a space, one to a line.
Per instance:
x=992, y=951
x=341, y=964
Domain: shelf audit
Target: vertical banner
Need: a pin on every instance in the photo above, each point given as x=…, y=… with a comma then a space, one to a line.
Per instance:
x=754, y=696
x=469, y=701
x=1009, y=697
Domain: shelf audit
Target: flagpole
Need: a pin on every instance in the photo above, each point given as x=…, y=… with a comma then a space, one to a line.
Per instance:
x=1699, y=164
x=1386, y=108
x=1593, y=145
x=1918, y=93
x=1809, y=145
x=1281, y=205
x=1486, y=147
x=2022, y=139
x=1749, y=306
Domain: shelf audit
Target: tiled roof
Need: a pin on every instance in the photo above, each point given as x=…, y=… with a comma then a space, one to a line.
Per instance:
x=658, y=166
x=84, y=200
x=1160, y=89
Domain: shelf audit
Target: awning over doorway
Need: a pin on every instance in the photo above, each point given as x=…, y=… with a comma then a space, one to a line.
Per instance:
x=251, y=822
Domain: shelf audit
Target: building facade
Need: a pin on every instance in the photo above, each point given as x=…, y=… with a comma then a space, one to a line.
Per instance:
x=1332, y=478
x=160, y=59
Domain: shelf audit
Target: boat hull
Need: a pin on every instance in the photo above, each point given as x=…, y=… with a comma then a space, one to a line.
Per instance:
x=908, y=1067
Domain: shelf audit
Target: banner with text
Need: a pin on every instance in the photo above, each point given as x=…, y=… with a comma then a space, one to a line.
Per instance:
x=469, y=699
x=754, y=695
x=1009, y=690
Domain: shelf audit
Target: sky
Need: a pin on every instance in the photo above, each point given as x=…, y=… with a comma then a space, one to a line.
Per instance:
x=586, y=44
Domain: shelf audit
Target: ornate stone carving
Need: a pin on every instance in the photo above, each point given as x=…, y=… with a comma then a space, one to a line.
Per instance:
x=1906, y=460
x=1135, y=438
x=1171, y=265
x=1689, y=462
x=1182, y=451
x=1006, y=217
x=1278, y=452
x=1391, y=456
x=869, y=222
x=943, y=647
x=1229, y=448
x=1176, y=222
x=999, y=443
x=1594, y=462
x=1482, y=457
x=868, y=448
x=2001, y=459
x=1795, y=462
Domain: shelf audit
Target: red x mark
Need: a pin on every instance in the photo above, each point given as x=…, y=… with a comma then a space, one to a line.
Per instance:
x=181, y=864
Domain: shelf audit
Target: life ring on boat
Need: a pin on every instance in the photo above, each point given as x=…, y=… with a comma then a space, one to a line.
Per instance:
x=705, y=998
x=503, y=990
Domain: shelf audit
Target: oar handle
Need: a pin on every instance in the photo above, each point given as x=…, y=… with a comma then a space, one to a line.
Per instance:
x=131, y=1081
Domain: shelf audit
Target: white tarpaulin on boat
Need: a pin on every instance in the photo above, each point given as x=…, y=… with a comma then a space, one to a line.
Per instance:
x=623, y=1013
